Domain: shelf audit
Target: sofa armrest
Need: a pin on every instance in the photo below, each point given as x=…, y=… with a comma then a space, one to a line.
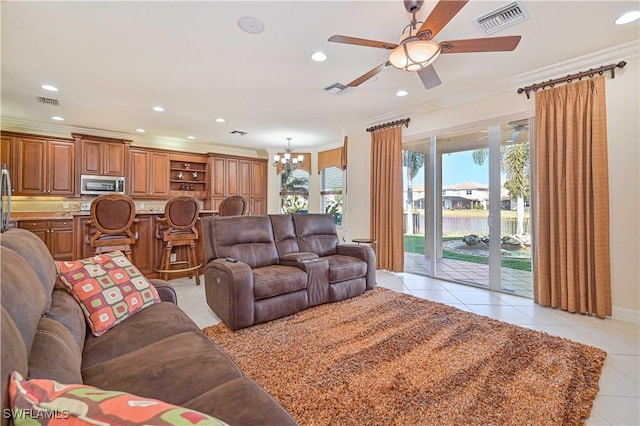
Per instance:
x=229, y=292
x=165, y=290
x=364, y=253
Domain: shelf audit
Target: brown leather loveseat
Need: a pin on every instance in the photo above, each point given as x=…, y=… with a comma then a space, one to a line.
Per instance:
x=157, y=353
x=259, y=268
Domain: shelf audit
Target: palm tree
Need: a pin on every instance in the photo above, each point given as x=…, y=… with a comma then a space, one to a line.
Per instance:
x=413, y=161
x=294, y=190
x=515, y=166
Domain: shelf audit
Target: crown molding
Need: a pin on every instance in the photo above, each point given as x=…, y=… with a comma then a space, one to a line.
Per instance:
x=64, y=131
x=595, y=59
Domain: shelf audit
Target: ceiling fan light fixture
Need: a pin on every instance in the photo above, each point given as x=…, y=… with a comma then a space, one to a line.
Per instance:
x=414, y=54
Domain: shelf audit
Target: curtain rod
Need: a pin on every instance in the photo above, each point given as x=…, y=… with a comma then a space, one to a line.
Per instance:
x=591, y=73
x=404, y=121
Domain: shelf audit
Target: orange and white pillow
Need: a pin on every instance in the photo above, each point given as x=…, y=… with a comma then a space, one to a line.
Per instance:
x=47, y=402
x=108, y=287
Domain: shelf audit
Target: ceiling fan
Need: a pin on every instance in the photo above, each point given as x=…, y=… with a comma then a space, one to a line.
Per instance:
x=416, y=49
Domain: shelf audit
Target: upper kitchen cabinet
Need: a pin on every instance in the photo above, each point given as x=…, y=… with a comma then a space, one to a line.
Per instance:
x=102, y=156
x=148, y=173
x=6, y=152
x=43, y=166
x=239, y=176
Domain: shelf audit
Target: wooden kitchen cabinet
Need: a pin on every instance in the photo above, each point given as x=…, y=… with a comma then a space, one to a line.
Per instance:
x=239, y=176
x=148, y=173
x=6, y=157
x=102, y=156
x=6, y=151
x=143, y=251
x=56, y=234
x=44, y=167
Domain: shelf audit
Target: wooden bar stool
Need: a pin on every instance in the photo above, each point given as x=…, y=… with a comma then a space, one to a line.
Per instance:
x=176, y=229
x=234, y=205
x=111, y=224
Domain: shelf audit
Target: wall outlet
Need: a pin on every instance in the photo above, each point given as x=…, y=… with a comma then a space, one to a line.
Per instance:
x=142, y=205
x=65, y=204
x=173, y=257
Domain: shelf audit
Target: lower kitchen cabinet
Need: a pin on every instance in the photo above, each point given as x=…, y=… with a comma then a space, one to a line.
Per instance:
x=56, y=234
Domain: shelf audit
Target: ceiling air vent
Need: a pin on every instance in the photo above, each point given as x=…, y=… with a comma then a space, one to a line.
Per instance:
x=502, y=18
x=48, y=101
x=335, y=88
x=238, y=132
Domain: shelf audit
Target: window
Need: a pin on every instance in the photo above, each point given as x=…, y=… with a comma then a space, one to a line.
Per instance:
x=294, y=191
x=331, y=192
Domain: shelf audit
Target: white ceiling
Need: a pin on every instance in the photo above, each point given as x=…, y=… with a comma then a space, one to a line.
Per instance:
x=114, y=61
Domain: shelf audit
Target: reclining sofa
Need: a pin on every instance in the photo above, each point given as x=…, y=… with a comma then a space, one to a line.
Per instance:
x=259, y=268
x=157, y=353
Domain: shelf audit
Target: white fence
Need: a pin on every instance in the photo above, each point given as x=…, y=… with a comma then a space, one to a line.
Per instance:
x=460, y=226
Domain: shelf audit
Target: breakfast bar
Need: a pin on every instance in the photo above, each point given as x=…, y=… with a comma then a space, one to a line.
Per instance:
x=63, y=233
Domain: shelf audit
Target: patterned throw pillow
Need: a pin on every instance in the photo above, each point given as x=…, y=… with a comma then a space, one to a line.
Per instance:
x=47, y=402
x=108, y=287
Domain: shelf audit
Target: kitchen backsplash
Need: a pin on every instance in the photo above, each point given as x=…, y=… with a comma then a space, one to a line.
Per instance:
x=43, y=204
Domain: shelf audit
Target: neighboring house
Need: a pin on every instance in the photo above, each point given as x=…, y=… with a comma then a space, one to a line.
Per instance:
x=465, y=195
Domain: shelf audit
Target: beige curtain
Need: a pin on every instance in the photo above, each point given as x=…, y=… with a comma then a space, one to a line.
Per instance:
x=344, y=159
x=571, y=269
x=386, y=197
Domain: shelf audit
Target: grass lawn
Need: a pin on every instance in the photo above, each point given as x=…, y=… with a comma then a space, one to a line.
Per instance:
x=415, y=244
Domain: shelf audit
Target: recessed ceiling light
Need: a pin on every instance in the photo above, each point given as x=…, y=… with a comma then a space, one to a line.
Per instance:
x=158, y=108
x=220, y=120
x=140, y=130
x=319, y=57
x=250, y=25
x=628, y=17
x=191, y=137
x=49, y=87
x=57, y=118
x=402, y=93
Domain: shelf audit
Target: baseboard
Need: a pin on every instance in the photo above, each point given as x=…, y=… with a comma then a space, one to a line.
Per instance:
x=626, y=315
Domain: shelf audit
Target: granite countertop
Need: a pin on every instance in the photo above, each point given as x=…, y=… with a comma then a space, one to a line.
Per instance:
x=62, y=215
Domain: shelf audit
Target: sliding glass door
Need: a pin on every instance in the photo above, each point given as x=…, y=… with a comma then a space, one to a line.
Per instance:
x=467, y=208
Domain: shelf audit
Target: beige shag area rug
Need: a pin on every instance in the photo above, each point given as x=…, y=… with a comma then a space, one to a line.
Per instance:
x=386, y=358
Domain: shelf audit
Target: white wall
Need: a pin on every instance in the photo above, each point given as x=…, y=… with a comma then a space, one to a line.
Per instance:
x=623, y=110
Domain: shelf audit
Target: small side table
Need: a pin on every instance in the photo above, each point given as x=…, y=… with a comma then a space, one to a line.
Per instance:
x=370, y=241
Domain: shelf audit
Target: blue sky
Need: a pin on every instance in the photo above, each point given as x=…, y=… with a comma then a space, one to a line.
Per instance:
x=459, y=167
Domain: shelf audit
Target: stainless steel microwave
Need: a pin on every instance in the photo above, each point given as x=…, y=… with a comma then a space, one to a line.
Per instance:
x=98, y=185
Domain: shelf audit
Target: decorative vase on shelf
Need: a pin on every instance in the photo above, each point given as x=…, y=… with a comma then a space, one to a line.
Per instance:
x=180, y=176
x=195, y=175
x=187, y=166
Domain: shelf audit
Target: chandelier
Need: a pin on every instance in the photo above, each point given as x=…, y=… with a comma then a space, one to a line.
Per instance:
x=287, y=162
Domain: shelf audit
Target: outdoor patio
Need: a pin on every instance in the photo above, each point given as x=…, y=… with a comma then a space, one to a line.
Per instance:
x=513, y=281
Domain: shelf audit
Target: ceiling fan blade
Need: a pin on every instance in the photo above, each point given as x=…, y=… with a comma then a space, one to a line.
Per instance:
x=366, y=76
x=489, y=44
x=362, y=42
x=429, y=77
x=440, y=16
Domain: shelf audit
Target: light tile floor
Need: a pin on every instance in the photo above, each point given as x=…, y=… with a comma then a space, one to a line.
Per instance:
x=618, y=401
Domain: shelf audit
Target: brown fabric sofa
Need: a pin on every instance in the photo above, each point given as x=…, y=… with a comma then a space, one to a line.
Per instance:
x=259, y=268
x=157, y=353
